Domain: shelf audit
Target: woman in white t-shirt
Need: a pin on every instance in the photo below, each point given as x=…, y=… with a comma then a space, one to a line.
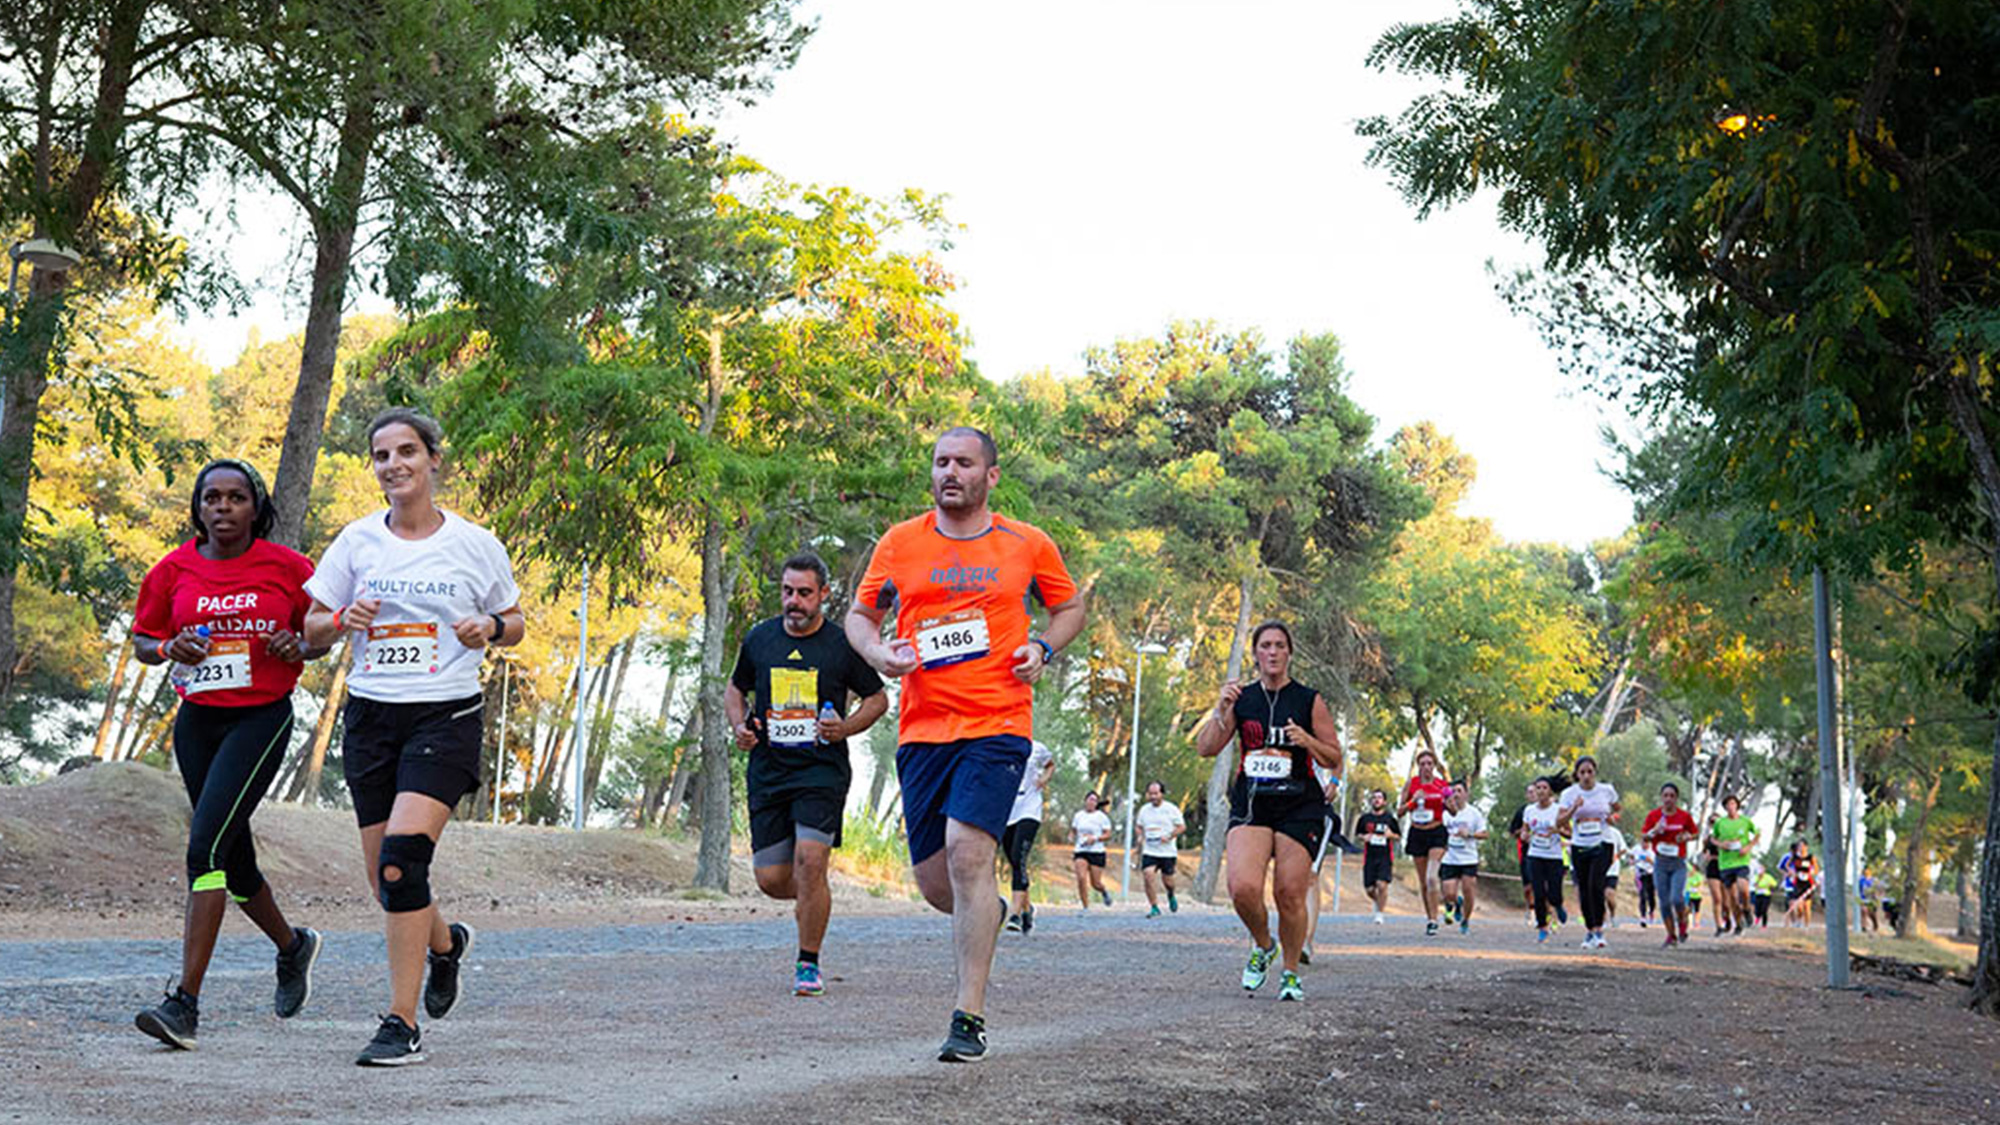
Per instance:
x=1587, y=808
x=1458, y=875
x=1024, y=820
x=1091, y=829
x=421, y=593
x=1545, y=862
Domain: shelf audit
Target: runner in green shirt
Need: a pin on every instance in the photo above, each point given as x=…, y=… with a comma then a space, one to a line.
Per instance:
x=1736, y=839
x=1760, y=897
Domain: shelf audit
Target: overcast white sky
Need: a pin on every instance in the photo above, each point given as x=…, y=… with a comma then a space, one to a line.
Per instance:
x=1120, y=165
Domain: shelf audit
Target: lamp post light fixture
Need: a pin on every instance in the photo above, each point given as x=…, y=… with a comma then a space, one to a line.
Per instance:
x=1139, y=655
x=43, y=254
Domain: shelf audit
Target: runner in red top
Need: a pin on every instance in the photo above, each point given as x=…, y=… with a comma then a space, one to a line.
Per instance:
x=1670, y=831
x=959, y=578
x=226, y=608
x=1423, y=801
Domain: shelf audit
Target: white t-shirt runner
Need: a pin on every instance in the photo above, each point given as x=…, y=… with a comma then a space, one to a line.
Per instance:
x=1028, y=798
x=1460, y=849
x=1091, y=824
x=1156, y=828
x=410, y=654
x=1588, y=809
x=1544, y=842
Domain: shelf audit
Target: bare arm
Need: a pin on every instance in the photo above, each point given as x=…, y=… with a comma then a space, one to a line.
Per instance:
x=1065, y=622
x=864, y=634
x=872, y=708
x=1220, y=725
x=737, y=709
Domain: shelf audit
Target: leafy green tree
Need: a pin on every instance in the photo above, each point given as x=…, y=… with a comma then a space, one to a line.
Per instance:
x=1812, y=184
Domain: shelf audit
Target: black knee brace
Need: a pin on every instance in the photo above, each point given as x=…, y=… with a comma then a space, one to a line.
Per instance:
x=411, y=888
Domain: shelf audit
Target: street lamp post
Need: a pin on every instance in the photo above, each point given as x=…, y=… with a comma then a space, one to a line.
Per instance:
x=500, y=755
x=1139, y=656
x=577, y=749
x=43, y=254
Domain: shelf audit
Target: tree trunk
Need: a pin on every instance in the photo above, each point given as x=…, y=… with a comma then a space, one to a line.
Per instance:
x=683, y=766
x=37, y=325
x=712, y=866
x=111, y=699
x=334, y=223
x=1614, y=701
x=336, y=694
x=606, y=724
x=1214, y=842
x=1916, y=896
x=138, y=712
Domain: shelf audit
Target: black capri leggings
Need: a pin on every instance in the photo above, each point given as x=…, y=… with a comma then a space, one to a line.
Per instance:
x=1647, y=898
x=1592, y=865
x=228, y=757
x=1545, y=878
x=1018, y=843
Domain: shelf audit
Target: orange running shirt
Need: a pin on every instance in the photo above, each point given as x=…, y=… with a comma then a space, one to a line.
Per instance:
x=964, y=604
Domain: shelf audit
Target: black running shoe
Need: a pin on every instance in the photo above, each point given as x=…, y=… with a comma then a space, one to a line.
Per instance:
x=441, y=990
x=395, y=1044
x=172, y=1021
x=295, y=973
x=1028, y=920
x=967, y=1041
x=1013, y=923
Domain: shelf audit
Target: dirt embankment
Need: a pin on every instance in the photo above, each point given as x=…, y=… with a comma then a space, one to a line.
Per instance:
x=99, y=852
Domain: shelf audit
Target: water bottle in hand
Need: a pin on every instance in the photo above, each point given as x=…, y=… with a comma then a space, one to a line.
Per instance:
x=180, y=674
x=828, y=713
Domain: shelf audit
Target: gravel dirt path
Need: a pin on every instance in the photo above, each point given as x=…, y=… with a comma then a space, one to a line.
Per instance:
x=1105, y=1017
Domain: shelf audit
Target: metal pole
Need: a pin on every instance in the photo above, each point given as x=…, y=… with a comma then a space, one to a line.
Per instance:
x=500, y=757
x=1832, y=846
x=1340, y=857
x=577, y=750
x=1132, y=775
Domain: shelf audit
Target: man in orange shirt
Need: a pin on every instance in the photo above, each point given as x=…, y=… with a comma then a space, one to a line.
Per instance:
x=959, y=578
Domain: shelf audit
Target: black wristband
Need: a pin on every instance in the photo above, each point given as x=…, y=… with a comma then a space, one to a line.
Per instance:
x=499, y=626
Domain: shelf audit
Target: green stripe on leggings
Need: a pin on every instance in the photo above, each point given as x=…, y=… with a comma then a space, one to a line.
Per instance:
x=278, y=736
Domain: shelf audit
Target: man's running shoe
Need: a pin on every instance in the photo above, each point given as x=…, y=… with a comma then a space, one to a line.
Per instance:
x=1671, y=942
x=441, y=990
x=1306, y=955
x=1106, y=895
x=1542, y=936
x=1013, y=923
x=1027, y=919
x=295, y=972
x=172, y=1021
x=1450, y=913
x=1289, y=987
x=1378, y=917
x=1153, y=913
x=967, y=1041
x=1465, y=925
x=395, y=1044
x=806, y=980
x=1173, y=904
x=1562, y=916
x=1259, y=967
x=1430, y=929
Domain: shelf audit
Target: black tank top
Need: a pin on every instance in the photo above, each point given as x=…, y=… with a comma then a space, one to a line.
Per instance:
x=1261, y=717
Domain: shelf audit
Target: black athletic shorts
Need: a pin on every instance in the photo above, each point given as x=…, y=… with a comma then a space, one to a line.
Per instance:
x=1302, y=817
x=1458, y=871
x=1611, y=882
x=1165, y=863
x=1712, y=870
x=1377, y=866
x=391, y=748
x=776, y=822
x=1095, y=859
x=1729, y=875
x=1423, y=841
x=1796, y=893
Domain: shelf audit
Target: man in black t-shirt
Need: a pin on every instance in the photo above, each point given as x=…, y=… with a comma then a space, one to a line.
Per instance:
x=800, y=672
x=1378, y=831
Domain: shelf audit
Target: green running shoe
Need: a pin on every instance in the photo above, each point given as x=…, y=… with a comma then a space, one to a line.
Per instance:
x=1289, y=987
x=1258, y=968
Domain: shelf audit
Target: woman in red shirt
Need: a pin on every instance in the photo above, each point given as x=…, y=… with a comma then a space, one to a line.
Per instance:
x=226, y=607
x=1423, y=800
x=1670, y=831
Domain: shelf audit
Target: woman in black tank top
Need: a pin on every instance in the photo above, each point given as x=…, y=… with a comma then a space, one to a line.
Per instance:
x=1277, y=809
